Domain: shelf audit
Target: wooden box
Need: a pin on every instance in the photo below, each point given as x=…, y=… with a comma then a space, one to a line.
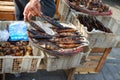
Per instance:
x=95, y=61
x=18, y=64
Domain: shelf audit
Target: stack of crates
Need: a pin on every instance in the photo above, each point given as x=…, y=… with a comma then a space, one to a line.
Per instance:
x=97, y=55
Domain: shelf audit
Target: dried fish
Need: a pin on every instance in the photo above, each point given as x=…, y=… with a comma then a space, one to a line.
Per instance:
x=36, y=27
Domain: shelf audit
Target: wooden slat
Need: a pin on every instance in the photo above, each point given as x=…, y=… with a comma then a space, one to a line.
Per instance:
x=94, y=58
x=57, y=15
x=98, y=50
x=6, y=3
x=7, y=16
x=90, y=64
x=96, y=54
x=71, y=74
x=7, y=8
x=101, y=62
x=95, y=61
x=57, y=5
x=85, y=70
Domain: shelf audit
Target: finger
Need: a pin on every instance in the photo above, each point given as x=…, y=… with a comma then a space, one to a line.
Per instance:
x=25, y=13
x=33, y=12
x=29, y=17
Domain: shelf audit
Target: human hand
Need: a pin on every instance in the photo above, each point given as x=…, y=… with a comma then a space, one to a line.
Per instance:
x=33, y=8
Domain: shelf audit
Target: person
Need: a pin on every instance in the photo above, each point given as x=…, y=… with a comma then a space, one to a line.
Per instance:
x=25, y=9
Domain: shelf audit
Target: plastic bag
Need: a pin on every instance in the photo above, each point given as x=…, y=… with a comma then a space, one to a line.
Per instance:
x=4, y=35
x=18, y=31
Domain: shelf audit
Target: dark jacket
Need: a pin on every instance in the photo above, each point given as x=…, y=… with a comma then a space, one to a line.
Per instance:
x=48, y=8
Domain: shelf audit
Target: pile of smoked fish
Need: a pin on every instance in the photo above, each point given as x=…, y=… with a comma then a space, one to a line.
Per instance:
x=19, y=48
x=66, y=40
x=93, y=7
x=92, y=23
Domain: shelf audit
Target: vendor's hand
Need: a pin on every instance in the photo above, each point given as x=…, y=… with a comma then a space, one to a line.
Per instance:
x=33, y=8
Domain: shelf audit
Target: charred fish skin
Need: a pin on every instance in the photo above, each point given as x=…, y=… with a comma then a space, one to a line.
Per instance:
x=36, y=27
x=41, y=36
x=32, y=31
x=52, y=21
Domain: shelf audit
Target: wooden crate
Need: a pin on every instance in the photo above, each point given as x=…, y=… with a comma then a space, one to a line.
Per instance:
x=18, y=64
x=95, y=61
x=7, y=10
x=63, y=10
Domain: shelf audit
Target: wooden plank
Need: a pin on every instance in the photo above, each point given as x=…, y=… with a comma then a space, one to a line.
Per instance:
x=88, y=67
x=101, y=62
x=96, y=54
x=57, y=15
x=6, y=3
x=85, y=70
x=7, y=8
x=90, y=64
x=94, y=58
x=5, y=12
x=98, y=50
x=95, y=64
x=70, y=73
x=57, y=5
x=6, y=16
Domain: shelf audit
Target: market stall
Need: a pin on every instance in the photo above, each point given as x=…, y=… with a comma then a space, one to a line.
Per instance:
x=72, y=45
x=100, y=37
